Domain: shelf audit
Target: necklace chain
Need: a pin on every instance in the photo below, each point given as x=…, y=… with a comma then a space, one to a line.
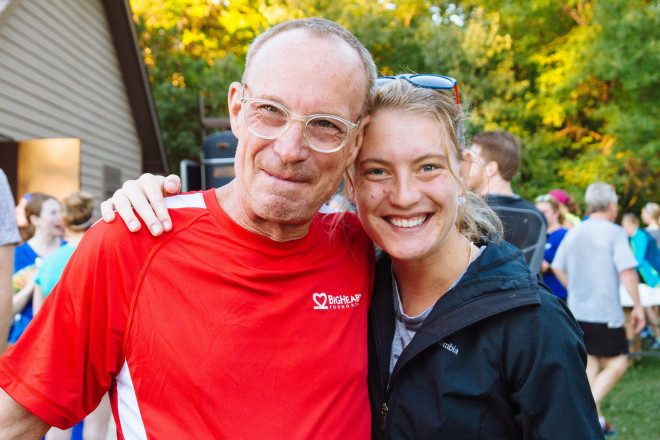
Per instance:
x=469, y=256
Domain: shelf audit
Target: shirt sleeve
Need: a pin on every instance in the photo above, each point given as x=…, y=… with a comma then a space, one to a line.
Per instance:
x=623, y=254
x=69, y=355
x=559, y=260
x=8, y=228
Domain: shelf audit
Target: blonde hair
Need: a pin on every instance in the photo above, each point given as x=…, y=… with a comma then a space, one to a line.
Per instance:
x=78, y=211
x=475, y=220
x=654, y=211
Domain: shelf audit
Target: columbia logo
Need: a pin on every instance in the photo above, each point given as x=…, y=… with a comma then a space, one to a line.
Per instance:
x=450, y=347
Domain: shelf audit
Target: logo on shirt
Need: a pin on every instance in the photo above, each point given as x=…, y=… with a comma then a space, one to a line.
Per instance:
x=450, y=347
x=327, y=302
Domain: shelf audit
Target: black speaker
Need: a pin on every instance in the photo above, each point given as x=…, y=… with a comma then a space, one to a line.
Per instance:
x=218, y=151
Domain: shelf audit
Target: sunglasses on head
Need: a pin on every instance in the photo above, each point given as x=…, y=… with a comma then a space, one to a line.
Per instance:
x=543, y=198
x=424, y=80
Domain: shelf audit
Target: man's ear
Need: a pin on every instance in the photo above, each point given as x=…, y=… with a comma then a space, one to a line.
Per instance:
x=492, y=168
x=359, y=138
x=234, y=101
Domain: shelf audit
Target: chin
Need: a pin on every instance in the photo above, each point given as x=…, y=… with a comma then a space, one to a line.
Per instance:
x=285, y=213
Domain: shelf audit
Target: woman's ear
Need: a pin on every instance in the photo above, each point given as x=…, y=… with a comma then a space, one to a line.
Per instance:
x=464, y=172
x=33, y=220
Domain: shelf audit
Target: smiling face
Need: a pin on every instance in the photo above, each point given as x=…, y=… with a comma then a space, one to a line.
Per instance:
x=406, y=195
x=282, y=181
x=49, y=220
x=551, y=216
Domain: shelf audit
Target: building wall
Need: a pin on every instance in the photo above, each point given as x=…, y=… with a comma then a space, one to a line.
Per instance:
x=60, y=78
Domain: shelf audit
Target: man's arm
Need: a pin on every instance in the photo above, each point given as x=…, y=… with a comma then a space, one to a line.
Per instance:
x=630, y=281
x=145, y=195
x=6, y=291
x=561, y=276
x=17, y=423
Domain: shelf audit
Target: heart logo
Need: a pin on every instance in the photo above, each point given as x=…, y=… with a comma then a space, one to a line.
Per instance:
x=321, y=300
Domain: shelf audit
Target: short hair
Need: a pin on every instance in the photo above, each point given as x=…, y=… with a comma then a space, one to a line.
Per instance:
x=323, y=28
x=502, y=148
x=78, y=211
x=476, y=220
x=598, y=197
x=631, y=218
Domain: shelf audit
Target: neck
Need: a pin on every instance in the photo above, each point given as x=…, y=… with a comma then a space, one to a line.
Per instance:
x=73, y=238
x=422, y=282
x=274, y=230
x=552, y=227
x=497, y=185
x=44, y=243
x=602, y=215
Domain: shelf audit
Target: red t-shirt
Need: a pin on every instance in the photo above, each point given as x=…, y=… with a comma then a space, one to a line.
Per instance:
x=209, y=331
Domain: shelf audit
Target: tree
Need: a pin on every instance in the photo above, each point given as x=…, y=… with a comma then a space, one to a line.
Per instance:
x=578, y=81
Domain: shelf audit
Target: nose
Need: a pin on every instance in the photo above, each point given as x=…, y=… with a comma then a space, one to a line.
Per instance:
x=405, y=192
x=291, y=145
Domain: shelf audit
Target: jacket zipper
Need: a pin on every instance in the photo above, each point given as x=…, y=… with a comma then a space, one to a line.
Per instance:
x=383, y=413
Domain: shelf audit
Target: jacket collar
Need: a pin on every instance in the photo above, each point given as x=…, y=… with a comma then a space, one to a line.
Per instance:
x=486, y=289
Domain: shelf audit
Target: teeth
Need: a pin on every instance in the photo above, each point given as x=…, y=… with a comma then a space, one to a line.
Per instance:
x=407, y=222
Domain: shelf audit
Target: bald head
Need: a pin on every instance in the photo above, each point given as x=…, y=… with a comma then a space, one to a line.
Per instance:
x=322, y=29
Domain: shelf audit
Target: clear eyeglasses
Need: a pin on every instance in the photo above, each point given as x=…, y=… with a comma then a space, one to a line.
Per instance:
x=270, y=120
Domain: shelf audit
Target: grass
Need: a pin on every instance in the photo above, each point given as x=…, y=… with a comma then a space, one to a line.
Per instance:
x=633, y=406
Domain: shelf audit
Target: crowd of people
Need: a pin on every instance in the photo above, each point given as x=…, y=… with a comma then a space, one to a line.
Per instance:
x=255, y=311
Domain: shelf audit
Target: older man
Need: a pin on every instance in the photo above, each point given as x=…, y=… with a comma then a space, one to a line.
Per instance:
x=591, y=261
x=244, y=321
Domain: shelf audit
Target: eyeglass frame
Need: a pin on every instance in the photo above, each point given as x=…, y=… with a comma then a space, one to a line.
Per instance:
x=304, y=119
x=411, y=76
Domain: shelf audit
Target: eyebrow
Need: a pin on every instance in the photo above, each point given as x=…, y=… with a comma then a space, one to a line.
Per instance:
x=278, y=101
x=377, y=160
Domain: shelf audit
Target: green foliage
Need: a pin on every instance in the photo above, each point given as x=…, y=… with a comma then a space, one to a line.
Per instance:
x=632, y=406
x=578, y=81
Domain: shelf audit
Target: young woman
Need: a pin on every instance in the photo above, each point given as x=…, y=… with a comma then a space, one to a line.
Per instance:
x=463, y=341
x=550, y=208
x=44, y=217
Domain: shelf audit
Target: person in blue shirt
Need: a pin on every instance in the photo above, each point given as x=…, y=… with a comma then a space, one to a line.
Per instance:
x=648, y=267
x=550, y=208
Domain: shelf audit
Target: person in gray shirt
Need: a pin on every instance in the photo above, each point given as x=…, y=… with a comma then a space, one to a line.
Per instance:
x=591, y=261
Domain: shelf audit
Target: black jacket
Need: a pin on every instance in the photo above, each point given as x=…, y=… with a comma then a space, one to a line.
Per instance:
x=499, y=357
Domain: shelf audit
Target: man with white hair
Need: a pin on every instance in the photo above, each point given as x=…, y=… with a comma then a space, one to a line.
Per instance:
x=591, y=261
x=249, y=319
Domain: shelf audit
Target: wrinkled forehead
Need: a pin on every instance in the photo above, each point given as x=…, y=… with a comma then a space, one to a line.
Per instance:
x=311, y=64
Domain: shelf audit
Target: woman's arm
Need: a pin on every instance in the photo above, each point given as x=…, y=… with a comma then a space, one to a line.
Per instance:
x=146, y=196
x=21, y=298
x=37, y=298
